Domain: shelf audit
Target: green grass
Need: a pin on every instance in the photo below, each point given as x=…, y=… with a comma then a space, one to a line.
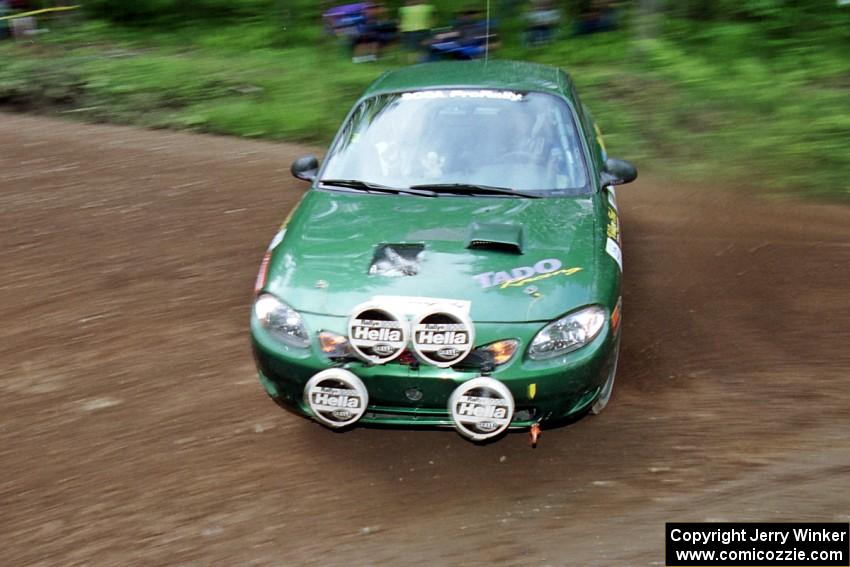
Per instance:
x=714, y=102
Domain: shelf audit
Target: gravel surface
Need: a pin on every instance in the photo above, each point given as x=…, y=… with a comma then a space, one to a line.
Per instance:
x=133, y=430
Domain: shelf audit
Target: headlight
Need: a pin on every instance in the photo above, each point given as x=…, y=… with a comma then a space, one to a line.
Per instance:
x=281, y=320
x=568, y=333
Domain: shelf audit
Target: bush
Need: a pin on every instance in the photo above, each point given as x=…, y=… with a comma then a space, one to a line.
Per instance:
x=174, y=11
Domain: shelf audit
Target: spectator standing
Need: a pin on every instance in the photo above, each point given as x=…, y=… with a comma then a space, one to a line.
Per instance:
x=416, y=19
x=543, y=18
x=374, y=33
x=601, y=16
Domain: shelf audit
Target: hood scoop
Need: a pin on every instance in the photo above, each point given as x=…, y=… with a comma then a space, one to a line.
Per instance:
x=499, y=237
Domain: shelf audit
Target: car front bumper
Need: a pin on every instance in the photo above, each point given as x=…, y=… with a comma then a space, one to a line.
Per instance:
x=404, y=395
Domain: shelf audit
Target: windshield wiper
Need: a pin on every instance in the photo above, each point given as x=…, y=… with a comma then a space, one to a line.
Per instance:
x=472, y=188
x=367, y=186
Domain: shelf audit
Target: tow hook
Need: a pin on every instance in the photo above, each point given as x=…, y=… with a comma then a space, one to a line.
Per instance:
x=534, y=434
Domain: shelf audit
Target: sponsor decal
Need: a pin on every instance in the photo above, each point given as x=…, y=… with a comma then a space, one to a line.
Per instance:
x=612, y=197
x=612, y=230
x=462, y=93
x=336, y=397
x=442, y=337
x=615, y=252
x=376, y=334
x=524, y=275
x=383, y=349
x=518, y=283
x=600, y=140
x=481, y=408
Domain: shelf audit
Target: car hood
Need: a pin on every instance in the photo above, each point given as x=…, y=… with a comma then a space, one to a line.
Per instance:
x=508, y=259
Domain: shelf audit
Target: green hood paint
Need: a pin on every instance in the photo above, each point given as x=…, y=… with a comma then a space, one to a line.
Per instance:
x=322, y=264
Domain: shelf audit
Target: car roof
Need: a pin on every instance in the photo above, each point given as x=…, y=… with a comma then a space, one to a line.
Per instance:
x=493, y=74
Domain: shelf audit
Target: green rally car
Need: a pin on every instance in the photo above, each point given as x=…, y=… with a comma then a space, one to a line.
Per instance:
x=456, y=261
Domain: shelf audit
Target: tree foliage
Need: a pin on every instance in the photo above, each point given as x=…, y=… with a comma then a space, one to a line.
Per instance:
x=777, y=18
x=149, y=11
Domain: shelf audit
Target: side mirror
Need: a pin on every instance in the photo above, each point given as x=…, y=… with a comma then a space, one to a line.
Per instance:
x=618, y=172
x=305, y=168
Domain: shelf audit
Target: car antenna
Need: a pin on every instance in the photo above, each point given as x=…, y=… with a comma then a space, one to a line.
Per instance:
x=487, y=36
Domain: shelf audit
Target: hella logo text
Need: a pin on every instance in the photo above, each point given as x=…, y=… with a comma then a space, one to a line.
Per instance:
x=442, y=338
x=489, y=408
x=448, y=352
x=331, y=400
x=382, y=334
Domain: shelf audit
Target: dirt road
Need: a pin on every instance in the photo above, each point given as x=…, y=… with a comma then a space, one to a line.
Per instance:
x=133, y=431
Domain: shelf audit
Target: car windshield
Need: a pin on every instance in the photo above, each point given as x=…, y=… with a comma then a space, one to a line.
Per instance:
x=461, y=137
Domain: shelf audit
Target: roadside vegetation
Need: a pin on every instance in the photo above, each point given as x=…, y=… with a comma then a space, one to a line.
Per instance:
x=753, y=92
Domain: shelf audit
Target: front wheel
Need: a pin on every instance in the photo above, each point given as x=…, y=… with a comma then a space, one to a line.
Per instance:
x=605, y=393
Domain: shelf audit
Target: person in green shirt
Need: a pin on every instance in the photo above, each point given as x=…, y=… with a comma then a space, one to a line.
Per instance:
x=415, y=22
